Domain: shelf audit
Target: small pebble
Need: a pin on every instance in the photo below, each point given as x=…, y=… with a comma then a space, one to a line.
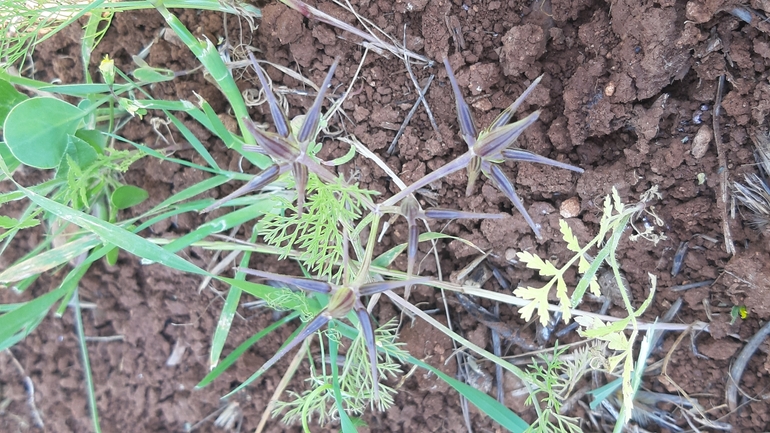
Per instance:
x=609, y=90
x=700, y=144
x=570, y=208
x=510, y=255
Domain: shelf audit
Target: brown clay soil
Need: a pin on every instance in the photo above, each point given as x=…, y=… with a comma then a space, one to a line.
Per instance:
x=627, y=85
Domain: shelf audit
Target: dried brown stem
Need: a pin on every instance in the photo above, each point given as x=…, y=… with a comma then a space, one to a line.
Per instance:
x=723, y=177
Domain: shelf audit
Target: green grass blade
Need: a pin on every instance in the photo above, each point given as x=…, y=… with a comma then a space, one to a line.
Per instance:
x=243, y=347
x=385, y=259
x=71, y=281
x=193, y=140
x=347, y=424
x=22, y=317
x=267, y=293
x=261, y=371
x=488, y=405
x=208, y=55
x=39, y=263
x=228, y=310
x=222, y=223
x=210, y=120
x=86, y=364
x=192, y=191
x=193, y=206
x=115, y=235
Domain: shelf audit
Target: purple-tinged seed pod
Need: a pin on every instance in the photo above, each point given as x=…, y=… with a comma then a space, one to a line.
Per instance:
x=367, y=328
x=501, y=279
x=314, y=325
x=504, y=185
x=303, y=283
x=467, y=125
x=299, y=171
x=449, y=214
x=314, y=115
x=493, y=142
x=282, y=124
x=526, y=156
x=341, y=302
x=272, y=144
x=411, y=211
x=681, y=252
x=506, y=115
x=264, y=178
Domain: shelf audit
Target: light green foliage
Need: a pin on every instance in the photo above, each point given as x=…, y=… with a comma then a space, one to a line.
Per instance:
x=545, y=268
x=616, y=217
x=552, y=379
x=83, y=182
x=355, y=380
x=317, y=233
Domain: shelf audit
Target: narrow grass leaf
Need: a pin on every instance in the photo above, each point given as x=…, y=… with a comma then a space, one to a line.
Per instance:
x=603, y=392
x=347, y=424
x=222, y=223
x=115, y=235
x=193, y=140
x=385, y=259
x=208, y=55
x=37, y=264
x=198, y=188
x=20, y=318
x=228, y=311
x=292, y=340
x=242, y=348
x=86, y=364
x=488, y=405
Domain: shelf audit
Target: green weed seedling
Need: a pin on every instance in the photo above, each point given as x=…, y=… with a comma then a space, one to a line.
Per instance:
x=297, y=209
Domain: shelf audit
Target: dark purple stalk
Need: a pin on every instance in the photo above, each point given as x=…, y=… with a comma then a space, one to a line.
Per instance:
x=259, y=181
x=506, y=115
x=299, y=171
x=273, y=145
x=526, y=156
x=448, y=214
x=312, y=326
x=504, y=185
x=310, y=124
x=367, y=328
x=457, y=164
x=467, y=125
x=279, y=118
x=303, y=283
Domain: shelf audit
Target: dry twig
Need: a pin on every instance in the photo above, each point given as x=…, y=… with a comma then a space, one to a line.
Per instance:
x=723, y=177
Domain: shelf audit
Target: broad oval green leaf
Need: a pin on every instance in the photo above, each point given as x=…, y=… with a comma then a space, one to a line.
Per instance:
x=37, y=130
x=128, y=195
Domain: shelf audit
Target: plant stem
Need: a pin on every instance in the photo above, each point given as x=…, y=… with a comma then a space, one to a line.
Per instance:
x=457, y=164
